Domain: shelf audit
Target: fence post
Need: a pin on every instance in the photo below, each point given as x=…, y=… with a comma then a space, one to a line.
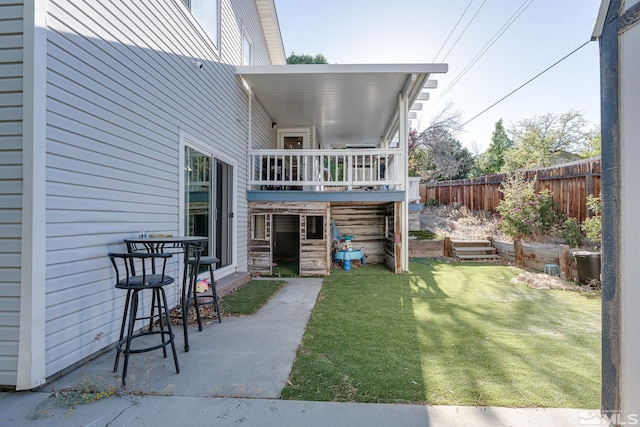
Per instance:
x=517, y=249
x=565, y=262
x=447, y=246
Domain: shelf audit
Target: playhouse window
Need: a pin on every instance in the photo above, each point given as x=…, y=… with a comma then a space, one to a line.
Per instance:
x=259, y=227
x=315, y=227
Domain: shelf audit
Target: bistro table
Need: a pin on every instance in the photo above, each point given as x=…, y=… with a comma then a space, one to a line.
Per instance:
x=190, y=246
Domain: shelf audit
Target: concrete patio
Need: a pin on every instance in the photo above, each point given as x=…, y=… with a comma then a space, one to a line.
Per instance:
x=234, y=374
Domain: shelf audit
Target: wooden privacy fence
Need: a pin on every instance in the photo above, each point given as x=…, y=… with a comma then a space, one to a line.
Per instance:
x=570, y=184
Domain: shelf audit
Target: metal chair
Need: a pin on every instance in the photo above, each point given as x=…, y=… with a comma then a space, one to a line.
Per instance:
x=210, y=262
x=150, y=275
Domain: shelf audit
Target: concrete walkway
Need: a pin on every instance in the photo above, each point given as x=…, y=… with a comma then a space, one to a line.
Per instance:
x=233, y=375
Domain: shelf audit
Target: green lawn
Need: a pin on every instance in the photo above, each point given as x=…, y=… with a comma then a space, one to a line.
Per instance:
x=250, y=298
x=448, y=334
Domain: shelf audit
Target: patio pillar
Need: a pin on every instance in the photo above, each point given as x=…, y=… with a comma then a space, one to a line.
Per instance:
x=403, y=138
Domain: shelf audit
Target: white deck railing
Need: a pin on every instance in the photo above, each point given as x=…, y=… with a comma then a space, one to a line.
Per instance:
x=414, y=189
x=325, y=170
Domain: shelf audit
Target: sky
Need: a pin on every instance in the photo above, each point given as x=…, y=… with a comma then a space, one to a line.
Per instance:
x=497, y=46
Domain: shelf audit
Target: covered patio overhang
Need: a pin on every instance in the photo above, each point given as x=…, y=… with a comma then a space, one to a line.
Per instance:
x=350, y=106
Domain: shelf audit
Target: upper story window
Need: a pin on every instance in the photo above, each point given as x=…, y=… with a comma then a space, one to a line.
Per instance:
x=247, y=49
x=207, y=12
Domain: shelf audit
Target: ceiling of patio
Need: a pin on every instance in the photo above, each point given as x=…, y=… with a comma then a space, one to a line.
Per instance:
x=350, y=105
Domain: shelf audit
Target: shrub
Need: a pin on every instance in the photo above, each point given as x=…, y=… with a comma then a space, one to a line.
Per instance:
x=592, y=226
x=571, y=233
x=524, y=212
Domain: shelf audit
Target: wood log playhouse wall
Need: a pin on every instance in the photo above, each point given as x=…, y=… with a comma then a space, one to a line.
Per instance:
x=365, y=221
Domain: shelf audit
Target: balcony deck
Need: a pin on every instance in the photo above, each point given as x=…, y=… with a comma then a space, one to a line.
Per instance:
x=325, y=196
x=326, y=175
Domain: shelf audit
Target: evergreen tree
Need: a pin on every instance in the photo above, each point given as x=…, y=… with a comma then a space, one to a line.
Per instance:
x=306, y=59
x=492, y=161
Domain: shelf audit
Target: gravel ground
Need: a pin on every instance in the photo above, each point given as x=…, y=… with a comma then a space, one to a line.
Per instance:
x=461, y=223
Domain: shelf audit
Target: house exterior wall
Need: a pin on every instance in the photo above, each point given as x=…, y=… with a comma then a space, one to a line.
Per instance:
x=118, y=89
x=11, y=69
x=618, y=31
x=629, y=245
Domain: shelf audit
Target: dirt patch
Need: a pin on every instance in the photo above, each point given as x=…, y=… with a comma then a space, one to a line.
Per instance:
x=458, y=222
x=544, y=281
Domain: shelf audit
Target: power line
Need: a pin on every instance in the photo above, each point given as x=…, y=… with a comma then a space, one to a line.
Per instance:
x=452, y=30
x=524, y=84
x=464, y=30
x=488, y=45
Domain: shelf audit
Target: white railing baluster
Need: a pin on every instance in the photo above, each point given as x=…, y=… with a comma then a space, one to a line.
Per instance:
x=363, y=169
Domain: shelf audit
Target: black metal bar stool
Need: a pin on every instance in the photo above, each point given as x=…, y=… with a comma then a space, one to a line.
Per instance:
x=210, y=262
x=148, y=277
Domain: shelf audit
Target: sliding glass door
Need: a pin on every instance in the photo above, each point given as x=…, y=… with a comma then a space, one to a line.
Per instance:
x=223, y=224
x=208, y=202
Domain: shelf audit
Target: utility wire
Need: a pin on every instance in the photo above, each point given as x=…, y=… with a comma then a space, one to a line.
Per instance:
x=524, y=84
x=463, y=31
x=454, y=28
x=488, y=45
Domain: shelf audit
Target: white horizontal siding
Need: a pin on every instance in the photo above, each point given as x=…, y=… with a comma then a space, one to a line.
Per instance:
x=120, y=86
x=11, y=56
x=241, y=15
x=10, y=186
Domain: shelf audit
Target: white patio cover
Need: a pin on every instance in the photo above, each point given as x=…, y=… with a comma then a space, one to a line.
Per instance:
x=350, y=105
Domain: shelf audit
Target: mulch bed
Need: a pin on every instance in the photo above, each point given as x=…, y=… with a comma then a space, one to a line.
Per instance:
x=207, y=315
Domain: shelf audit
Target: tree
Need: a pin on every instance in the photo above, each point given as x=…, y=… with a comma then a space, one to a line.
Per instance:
x=549, y=139
x=306, y=59
x=492, y=160
x=435, y=154
x=476, y=168
x=592, y=148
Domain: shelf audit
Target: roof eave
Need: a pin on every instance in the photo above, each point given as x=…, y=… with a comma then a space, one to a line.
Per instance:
x=600, y=19
x=341, y=69
x=271, y=31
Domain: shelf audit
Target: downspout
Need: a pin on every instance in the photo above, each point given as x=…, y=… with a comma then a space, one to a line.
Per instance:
x=249, y=133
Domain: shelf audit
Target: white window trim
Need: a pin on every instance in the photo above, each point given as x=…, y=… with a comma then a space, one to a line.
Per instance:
x=304, y=133
x=213, y=44
x=245, y=35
